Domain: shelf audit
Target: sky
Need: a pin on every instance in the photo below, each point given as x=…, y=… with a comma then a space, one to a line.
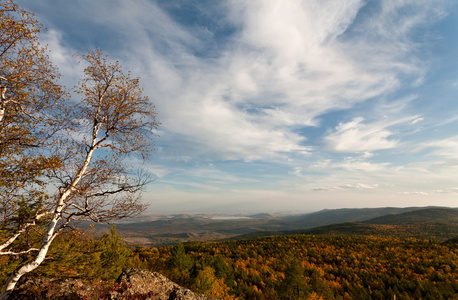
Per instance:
x=292, y=106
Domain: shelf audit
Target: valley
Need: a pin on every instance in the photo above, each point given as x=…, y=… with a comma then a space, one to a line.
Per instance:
x=439, y=223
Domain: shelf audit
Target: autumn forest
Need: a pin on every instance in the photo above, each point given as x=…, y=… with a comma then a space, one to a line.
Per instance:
x=276, y=267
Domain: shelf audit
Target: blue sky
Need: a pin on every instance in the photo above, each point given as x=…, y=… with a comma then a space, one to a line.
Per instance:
x=282, y=105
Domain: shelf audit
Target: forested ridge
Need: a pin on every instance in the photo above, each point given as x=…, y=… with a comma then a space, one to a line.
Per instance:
x=279, y=267
x=429, y=223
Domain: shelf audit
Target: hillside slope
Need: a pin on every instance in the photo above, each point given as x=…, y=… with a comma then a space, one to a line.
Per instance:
x=428, y=223
x=435, y=214
x=333, y=216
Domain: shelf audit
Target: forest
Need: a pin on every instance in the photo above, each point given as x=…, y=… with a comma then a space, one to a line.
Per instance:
x=297, y=266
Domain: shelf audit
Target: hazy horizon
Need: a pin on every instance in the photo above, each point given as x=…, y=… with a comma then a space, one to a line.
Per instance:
x=272, y=212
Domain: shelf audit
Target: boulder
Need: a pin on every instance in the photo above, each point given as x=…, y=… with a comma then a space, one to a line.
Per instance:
x=151, y=285
x=45, y=288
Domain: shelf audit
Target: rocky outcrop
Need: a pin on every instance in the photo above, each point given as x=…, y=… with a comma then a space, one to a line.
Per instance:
x=46, y=288
x=131, y=284
x=152, y=285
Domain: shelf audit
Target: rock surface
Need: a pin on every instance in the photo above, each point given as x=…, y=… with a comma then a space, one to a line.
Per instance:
x=152, y=285
x=46, y=288
x=131, y=284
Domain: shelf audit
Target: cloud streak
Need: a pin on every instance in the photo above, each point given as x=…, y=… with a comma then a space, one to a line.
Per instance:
x=286, y=65
x=346, y=187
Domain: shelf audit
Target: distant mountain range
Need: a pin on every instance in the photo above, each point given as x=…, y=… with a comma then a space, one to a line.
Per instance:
x=431, y=223
x=421, y=222
x=332, y=216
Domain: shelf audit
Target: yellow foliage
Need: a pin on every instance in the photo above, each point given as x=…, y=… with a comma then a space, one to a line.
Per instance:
x=207, y=283
x=315, y=296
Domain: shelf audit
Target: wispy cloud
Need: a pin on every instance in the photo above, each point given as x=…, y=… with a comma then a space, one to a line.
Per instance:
x=447, y=191
x=62, y=56
x=417, y=120
x=356, y=137
x=347, y=186
x=414, y=193
x=442, y=157
x=359, y=136
x=445, y=147
x=286, y=64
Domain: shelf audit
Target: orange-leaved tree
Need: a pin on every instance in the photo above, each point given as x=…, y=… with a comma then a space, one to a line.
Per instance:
x=64, y=160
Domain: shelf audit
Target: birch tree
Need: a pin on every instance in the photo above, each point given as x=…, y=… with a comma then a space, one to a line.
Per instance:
x=70, y=159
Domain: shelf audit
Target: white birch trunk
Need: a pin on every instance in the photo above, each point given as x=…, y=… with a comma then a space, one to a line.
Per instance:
x=32, y=265
x=2, y=99
x=50, y=234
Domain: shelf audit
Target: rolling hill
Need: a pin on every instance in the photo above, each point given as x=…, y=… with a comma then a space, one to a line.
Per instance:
x=428, y=222
x=332, y=216
x=434, y=214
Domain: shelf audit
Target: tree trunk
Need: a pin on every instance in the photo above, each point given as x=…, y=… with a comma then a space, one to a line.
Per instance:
x=32, y=265
x=2, y=100
x=50, y=234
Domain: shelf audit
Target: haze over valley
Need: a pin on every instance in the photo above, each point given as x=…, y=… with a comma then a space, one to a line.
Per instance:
x=439, y=223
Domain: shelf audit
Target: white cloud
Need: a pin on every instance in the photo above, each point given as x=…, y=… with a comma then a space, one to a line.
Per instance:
x=358, y=164
x=453, y=191
x=287, y=65
x=442, y=158
x=299, y=57
x=415, y=193
x=297, y=171
x=158, y=170
x=417, y=120
x=357, y=137
x=447, y=148
x=214, y=175
x=63, y=57
x=347, y=186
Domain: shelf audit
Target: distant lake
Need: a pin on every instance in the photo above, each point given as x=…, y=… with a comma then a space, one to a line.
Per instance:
x=230, y=218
